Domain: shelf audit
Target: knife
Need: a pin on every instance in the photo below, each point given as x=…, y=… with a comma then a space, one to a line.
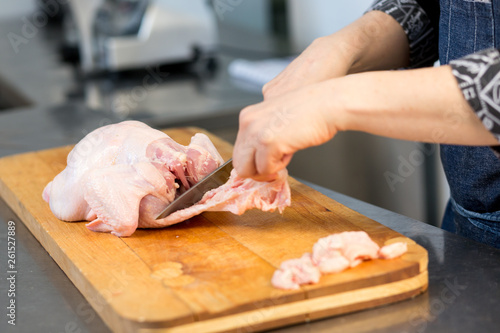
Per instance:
x=196, y=192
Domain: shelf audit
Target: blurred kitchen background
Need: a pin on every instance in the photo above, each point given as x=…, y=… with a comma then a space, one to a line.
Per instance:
x=198, y=63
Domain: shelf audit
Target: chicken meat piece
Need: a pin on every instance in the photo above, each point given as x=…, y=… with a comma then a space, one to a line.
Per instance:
x=334, y=254
x=238, y=195
x=393, y=250
x=331, y=262
x=295, y=272
x=354, y=246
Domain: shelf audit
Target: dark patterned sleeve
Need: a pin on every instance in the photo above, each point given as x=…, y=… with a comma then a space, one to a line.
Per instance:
x=420, y=28
x=478, y=76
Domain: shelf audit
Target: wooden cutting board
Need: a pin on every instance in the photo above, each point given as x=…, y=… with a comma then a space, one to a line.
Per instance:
x=213, y=272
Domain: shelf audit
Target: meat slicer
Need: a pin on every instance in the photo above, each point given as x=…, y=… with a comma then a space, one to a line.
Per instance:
x=126, y=34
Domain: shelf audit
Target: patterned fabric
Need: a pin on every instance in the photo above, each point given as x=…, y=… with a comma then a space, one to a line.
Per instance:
x=478, y=76
x=417, y=25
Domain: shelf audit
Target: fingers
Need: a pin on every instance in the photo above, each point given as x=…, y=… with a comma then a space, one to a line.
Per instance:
x=244, y=159
x=265, y=178
x=269, y=160
x=260, y=151
x=258, y=160
x=256, y=164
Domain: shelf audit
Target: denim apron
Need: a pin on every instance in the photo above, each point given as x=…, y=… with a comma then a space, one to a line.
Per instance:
x=473, y=173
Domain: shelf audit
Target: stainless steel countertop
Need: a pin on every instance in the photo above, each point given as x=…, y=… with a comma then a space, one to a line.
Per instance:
x=464, y=276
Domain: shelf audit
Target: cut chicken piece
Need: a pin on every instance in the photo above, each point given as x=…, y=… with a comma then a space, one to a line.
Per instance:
x=201, y=155
x=355, y=246
x=295, y=272
x=393, y=250
x=170, y=154
x=334, y=254
x=332, y=262
x=238, y=195
x=190, y=163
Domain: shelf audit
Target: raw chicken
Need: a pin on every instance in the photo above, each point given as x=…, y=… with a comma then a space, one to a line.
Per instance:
x=332, y=262
x=353, y=246
x=333, y=254
x=294, y=272
x=121, y=176
x=238, y=195
x=393, y=250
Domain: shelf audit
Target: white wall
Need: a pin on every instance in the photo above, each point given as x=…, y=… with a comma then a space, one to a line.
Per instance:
x=16, y=8
x=252, y=15
x=315, y=18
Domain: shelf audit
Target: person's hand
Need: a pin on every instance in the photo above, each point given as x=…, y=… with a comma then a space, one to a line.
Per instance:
x=272, y=131
x=324, y=59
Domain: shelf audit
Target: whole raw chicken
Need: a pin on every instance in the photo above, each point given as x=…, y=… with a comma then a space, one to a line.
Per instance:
x=121, y=176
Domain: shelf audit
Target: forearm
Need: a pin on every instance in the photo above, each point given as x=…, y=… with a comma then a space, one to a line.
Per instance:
x=373, y=42
x=420, y=105
x=376, y=41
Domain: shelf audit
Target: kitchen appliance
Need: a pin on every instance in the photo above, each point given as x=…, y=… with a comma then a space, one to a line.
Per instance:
x=211, y=273
x=127, y=34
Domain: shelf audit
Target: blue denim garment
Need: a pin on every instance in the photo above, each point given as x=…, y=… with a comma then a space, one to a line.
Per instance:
x=482, y=227
x=473, y=173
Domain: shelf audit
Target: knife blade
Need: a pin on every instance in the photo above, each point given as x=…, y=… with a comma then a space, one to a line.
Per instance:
x=196, y=192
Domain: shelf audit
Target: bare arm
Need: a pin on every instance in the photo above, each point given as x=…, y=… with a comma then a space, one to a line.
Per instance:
x=422, y=104
x=361, y=46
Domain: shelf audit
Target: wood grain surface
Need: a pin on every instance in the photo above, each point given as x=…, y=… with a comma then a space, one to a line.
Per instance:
x=213, y=272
